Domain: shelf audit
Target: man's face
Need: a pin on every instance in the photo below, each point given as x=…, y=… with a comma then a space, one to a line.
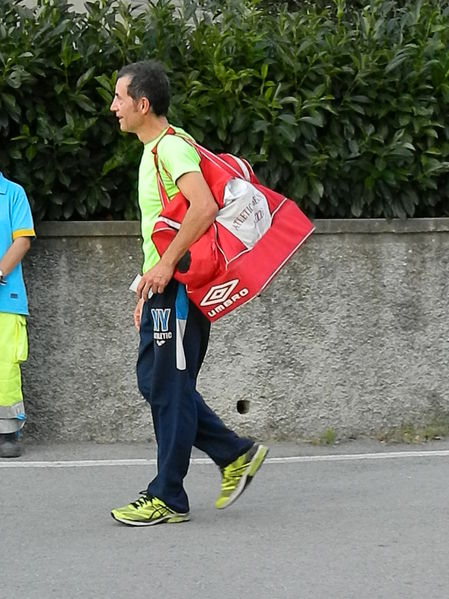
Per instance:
x=126, y=109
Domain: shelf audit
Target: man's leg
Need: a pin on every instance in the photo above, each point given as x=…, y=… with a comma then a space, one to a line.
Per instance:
x=167, y=389
x=220, y=443
x=238, y=458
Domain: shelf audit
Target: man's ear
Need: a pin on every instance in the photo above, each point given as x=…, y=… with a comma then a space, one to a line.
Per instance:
x=144, y=105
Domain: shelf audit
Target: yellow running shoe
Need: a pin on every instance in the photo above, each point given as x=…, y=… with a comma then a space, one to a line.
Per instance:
x=147, y=511
x=237, y=475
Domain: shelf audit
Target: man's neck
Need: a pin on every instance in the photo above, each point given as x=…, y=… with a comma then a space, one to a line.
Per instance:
x=152, y=128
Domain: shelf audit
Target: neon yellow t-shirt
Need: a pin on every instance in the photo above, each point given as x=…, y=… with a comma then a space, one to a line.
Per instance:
x=177, y=158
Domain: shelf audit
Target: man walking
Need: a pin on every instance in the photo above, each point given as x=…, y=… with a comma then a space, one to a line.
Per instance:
x=173, y=333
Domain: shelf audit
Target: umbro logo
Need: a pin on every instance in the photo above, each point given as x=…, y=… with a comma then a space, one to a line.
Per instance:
x=222, y=296
x=219, y=293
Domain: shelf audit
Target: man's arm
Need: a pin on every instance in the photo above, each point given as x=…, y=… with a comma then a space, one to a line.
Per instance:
x=14, y=254
x=199, y=216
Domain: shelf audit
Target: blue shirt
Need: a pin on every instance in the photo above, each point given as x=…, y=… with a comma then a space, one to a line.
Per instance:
x=15, y=221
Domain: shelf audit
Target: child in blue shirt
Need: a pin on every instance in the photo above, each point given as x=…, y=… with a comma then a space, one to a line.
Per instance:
x=16, y=229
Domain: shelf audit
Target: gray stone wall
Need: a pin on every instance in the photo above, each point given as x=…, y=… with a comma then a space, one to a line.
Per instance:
x=352, y=335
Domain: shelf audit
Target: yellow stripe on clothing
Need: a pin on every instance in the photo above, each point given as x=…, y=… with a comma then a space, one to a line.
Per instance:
x=23, y=233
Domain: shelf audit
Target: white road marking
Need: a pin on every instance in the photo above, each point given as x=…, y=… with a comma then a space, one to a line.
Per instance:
x=347, y=457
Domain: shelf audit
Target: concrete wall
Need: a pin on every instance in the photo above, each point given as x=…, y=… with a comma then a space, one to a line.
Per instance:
x=353, y=335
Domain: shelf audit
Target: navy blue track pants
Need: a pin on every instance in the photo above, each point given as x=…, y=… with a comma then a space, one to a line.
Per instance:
x=173, y=342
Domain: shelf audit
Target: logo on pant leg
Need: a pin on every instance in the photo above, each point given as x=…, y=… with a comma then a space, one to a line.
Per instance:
x=161, y=317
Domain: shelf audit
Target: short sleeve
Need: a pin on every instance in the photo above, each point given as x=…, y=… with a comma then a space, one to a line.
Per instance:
x=21, y=217
x=177, y=157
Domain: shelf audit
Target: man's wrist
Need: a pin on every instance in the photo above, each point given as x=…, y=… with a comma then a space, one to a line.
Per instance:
x=2, y=278
x=168, y=262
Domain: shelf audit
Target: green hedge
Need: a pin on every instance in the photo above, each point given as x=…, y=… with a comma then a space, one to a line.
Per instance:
x=343, y=107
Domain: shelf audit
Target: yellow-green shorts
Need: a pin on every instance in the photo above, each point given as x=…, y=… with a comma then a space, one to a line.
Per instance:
x=13, y=351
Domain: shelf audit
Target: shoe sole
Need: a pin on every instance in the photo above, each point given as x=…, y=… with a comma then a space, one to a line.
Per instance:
x=10, y=451
x=175, y=519
x=254, y=465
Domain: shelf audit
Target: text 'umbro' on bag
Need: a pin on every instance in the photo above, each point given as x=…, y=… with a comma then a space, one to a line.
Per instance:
x=255, y=232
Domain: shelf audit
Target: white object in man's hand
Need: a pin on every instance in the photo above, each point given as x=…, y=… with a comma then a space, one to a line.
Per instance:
x=135, y=283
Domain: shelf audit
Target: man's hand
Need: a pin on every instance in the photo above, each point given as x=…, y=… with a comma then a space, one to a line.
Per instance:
x=138, y=313
x=156, y=279
x=199, y=216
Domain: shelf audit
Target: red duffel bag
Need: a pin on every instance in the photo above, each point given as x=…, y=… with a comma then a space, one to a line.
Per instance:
x=254, y=234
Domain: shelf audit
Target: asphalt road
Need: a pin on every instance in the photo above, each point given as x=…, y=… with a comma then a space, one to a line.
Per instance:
x=360, y=520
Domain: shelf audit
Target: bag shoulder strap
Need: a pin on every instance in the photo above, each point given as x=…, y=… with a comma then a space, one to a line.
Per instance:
x=162, y=193
x=203, y=153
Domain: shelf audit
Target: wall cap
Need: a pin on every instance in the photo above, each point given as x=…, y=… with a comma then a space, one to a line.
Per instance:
x=116, y=228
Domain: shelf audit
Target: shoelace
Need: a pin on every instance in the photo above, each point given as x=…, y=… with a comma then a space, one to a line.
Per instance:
x=142, y=501
x=158, y=510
